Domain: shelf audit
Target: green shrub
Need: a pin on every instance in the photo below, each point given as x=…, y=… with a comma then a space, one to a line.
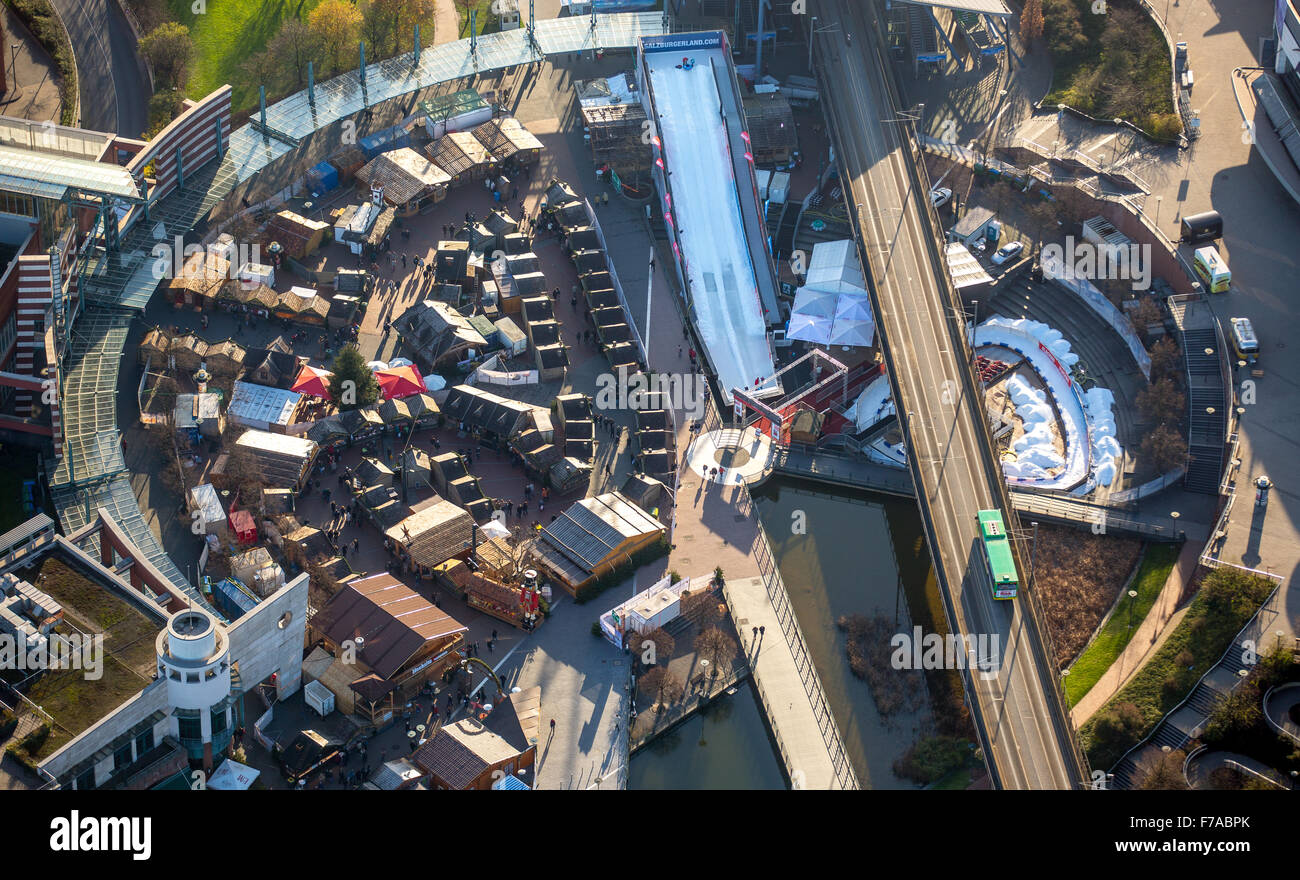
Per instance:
x=33, y=741
x=933, y=758
x=596, y=630
x=623, y=570
x=7, y=724
x=41, y=19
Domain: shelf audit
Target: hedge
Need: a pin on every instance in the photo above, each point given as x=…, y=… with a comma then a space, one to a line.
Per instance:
x=41, y=19
x=623, y=570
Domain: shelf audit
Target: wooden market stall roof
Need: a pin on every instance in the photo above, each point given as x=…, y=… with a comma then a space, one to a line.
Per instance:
x=458, y=152
x=404, y=174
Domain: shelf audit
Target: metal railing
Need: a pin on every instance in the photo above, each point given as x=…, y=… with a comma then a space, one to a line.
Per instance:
x=1251, y=627
x=1038, y=629
x=845, y=776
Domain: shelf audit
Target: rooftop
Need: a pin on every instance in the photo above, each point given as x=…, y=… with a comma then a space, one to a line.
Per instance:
x=93, y=607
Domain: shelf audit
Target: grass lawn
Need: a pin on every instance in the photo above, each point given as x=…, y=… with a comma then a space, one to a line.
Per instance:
x=957, y=780
x=1157, y=562
x=1226, y=600
x=227, y=35
x=486, y=21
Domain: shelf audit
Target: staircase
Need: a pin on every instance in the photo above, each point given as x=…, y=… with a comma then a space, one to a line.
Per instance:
x=1206, y=430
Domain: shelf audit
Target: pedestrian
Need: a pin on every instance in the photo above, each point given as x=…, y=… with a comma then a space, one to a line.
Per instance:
x=494, y=635
x=552, y=725
x=403, y=261
x=356, y=545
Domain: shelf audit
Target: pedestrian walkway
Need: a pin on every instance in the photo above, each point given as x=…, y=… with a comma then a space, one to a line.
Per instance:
x=585, y=688
x=1150, y=635
x=780, y=681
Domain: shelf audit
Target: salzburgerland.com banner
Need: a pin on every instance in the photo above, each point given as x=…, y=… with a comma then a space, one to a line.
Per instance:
x=679, y=42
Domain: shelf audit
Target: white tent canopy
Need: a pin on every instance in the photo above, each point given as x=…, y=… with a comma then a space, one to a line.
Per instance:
x=233, y=776
x=810, y=328
x=832, y=307
x=494, y=529
x=834, y=267
x=814, y=302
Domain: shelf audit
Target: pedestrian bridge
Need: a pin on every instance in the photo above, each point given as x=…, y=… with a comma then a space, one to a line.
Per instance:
x=853, y=469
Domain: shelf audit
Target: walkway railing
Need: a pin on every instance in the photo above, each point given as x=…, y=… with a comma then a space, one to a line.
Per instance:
x=1252, y=630
x=845, y=777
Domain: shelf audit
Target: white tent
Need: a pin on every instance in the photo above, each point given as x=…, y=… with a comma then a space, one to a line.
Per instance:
x=494, y=529
x=810, y=328
x=233, y=776
x=834, y=267
x=434, y=382
x=851, y=333
x=832, y=307
x=820, y=303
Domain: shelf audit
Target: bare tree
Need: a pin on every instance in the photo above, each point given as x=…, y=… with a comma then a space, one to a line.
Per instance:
x=655, y=645
x=717, y=647
x=1163, y=771
x=663, y=685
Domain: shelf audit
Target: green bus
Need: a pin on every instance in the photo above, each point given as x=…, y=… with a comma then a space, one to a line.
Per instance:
x=997, y=550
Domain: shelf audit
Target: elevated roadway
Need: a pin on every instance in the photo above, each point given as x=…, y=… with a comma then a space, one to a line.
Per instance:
x=1017, y=712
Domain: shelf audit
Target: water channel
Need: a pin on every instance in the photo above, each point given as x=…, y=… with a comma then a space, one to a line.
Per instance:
x=841, y=552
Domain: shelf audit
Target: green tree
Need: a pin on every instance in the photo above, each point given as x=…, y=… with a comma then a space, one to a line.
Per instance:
x=379, y=24
x=1063, y=28
x=352, y=386
x=170, y=50
x=1119, y=727
x=336, y=27
x=1236, y=713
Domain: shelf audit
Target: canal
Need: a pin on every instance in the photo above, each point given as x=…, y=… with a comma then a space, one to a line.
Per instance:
x=724, y=746
x=841, y=552
x=845, y=552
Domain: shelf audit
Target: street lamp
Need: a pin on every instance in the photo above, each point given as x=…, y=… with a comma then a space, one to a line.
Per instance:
x=1132, y=601
x=1114, y=152
x=13, y=64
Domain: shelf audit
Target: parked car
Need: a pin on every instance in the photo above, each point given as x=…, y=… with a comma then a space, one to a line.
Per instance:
x=940, y=196
x=1008, y=251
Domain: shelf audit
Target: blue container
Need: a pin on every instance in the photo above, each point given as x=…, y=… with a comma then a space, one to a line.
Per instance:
x=231, y=598
x=383, y=141
x=325, y=177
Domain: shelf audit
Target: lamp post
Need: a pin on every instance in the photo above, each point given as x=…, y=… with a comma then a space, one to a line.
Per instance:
x=1114, y=150
x=812, y=31
x=1132, y=601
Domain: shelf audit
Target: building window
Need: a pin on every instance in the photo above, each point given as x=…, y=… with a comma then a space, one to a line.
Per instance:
x=122, y=757
x=191, y=729
x=86, y=779
x=218, y=721
x=144, y=742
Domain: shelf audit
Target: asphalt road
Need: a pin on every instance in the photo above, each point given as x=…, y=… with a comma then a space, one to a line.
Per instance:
x=1026, y=744
x=114, y=89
